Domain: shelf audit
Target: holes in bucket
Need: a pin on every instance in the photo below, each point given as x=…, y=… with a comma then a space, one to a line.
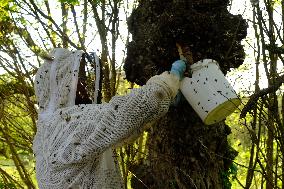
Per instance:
x=195, y=91
x=197, y=80
x=198, y=103
x=206, y=79
x=216, y=80
x=207, y=111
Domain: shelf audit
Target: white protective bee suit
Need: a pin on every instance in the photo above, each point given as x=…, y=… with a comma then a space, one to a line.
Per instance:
x=73, y=143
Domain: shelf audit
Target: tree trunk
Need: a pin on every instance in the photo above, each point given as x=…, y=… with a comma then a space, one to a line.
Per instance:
x=183, y=152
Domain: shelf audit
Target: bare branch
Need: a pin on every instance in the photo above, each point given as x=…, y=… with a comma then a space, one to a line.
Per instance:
x=254, y=98
x=81, y=39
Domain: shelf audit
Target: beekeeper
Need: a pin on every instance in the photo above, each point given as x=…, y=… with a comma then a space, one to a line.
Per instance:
x=73, y=143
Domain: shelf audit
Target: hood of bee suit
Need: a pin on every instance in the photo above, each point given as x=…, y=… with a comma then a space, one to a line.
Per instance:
x=56, y=81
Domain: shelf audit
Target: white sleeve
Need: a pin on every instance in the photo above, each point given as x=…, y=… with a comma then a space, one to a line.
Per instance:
x=91, y=129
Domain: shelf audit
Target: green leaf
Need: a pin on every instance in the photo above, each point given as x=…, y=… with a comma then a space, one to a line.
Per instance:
x=71, y=2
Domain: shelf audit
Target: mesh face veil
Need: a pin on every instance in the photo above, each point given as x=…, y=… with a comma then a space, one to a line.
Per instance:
x=57, y=80
x=89, y=80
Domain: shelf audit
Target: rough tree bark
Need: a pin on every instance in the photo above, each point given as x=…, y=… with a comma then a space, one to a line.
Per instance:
x=183, y=152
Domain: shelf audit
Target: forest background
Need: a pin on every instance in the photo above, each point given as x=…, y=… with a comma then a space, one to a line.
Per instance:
x=28, y=29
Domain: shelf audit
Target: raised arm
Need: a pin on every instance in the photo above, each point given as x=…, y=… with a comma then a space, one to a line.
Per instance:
x=91, y=129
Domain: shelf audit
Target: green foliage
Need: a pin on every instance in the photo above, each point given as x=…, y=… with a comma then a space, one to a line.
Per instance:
x=4, y=6
x=173, y=184
x=16, y=130
x=10, y=86
x=71, y=2
x=276, y=2
x=7, y=186
x=6, y=25
x=228, y=176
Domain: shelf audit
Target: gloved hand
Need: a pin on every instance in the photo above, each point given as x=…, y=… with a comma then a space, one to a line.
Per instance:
x=178, y=68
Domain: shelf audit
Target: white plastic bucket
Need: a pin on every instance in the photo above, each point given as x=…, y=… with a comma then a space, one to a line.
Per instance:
x=209, y=92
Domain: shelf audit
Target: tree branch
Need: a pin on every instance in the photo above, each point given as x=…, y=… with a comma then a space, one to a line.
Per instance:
x=38, y=10
x=81, y=40
x=254, y=98
x=64, y=12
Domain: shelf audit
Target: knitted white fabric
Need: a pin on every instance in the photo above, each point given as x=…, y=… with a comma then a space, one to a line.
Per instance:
x=73, y=143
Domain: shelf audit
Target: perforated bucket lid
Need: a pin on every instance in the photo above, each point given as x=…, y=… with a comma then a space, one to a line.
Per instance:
x=209, y=92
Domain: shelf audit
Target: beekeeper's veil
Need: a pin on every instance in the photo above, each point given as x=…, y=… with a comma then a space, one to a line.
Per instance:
x=56, y=80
